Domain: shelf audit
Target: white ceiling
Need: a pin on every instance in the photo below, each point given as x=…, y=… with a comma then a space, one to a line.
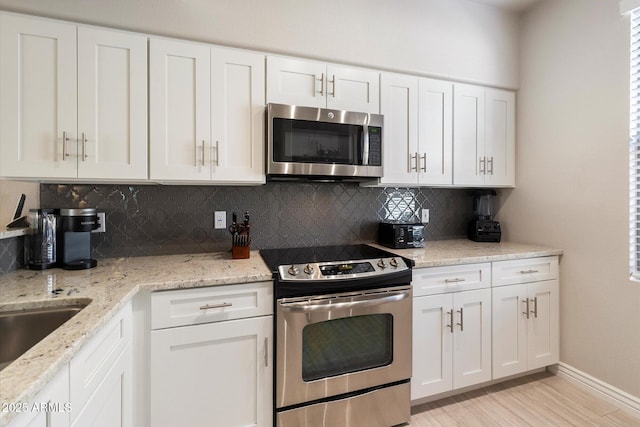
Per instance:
x=515, y=5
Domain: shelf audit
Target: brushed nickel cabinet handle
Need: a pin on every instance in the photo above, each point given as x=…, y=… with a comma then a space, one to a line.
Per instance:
x=203, y=152
x=528, y=271
x=526, y=312
x=456, y=280
x=322, y=84
x=424, y=162
x=84, y=146
x=483, y=165
x=461, y=324
x=333, y=82
x=535, y=307
x=266, y=352
x=413, y=157
x=491, y=162
x=450, y=325
x=217, y=153
x=224, y=304
x=65, y=140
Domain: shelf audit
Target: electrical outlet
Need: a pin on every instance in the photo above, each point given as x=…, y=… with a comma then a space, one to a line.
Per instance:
x=425, y=216
x=103, y=223
x=219, y=220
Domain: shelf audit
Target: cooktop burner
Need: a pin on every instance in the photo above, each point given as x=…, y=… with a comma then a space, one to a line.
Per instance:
x=316, y=270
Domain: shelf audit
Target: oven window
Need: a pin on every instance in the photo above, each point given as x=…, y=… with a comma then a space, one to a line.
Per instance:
x=304, y=141
x=348, y=344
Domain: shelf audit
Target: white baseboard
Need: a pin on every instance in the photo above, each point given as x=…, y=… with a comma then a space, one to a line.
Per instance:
x=611, y=394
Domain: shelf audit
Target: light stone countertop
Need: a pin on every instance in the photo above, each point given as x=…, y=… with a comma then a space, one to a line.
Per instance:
x=115, y=281
x=7, y=233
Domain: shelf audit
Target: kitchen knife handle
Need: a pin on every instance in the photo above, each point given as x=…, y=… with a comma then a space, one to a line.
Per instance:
x=65, y=140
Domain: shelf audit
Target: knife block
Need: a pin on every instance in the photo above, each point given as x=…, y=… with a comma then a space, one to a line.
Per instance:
x=240, y=252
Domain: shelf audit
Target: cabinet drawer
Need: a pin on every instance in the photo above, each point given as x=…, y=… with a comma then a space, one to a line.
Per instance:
x=524, y=270
x=182, y=307
x=89, y=367
x=438, y=280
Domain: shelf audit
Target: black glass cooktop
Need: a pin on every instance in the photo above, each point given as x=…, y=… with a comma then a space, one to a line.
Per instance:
x=277, y=257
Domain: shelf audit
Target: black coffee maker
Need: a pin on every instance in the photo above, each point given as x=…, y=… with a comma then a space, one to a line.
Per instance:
x=483, y=228
x=74, y=239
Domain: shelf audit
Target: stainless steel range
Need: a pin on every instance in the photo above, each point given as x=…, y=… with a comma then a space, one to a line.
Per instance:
x=342, y=336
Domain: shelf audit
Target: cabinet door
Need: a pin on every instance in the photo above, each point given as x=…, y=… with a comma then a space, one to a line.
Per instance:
x=509, y=330
x=500, y=137
x=112, y=105
x=543, y=324
x=180, y=116
x=432, y=346
x=296, y=82
x=472, y=337
x=469, y=164
x=353, y=89
x=238, y=106
x=435, y=135
x=399, y=105
x=56, y=394
x=215, y=374
x=38, y=102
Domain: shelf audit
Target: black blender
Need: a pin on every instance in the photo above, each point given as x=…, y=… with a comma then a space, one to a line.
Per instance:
x=483, y=228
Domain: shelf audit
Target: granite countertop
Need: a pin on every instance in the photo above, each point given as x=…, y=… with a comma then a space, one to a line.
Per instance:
x=115, y=281
x=107, y=287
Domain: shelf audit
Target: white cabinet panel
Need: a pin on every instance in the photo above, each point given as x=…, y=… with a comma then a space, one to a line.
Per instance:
x=453, y=278
x=38, y=102
x=215, y=374
x=435, y=123
x=500, y=137
x=295, y=81
x=468, y=129
x=543, y=326
x=525, y=270
x=238, y=108
x=179, y=111
x=399, y=105
x=112, y=106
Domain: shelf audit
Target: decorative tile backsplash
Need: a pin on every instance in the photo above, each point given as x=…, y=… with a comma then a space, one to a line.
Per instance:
x=160, y=220
x=145, y=220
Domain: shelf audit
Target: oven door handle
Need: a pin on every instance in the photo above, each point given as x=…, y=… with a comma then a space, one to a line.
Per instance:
x=327, y=304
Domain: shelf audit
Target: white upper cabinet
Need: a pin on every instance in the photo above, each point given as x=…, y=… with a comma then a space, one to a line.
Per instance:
x=399, y=105
x=112, y=104
x=238, y=108
x=484, y=137
x=206, y=113
x=316, y=84
x=179, y=110
x=73, y=101
x=38, y=102
x=418, y=115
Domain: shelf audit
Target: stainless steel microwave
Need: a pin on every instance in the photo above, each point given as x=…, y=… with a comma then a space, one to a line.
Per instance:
x=317, y=143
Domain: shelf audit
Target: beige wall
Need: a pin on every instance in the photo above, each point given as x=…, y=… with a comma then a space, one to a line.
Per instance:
x=572, y=178
x=10, y=192
x=447, y=38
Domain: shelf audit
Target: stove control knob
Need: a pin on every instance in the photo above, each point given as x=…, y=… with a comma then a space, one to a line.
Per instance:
x=393, y=262
x=293, y=270
x=308, y=269
x=381, y=263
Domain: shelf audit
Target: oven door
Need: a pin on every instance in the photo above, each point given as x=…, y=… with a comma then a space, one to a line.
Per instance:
x=335, y=344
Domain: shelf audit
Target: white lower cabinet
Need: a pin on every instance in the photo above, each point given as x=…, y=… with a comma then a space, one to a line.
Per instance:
x=525, y=322
x=451, y=331
x=218, y=373
x=48, y=408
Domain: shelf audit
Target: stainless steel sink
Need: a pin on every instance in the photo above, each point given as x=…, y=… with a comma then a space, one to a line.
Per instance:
x=21, y=330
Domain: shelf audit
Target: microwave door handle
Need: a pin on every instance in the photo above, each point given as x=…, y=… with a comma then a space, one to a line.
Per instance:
x=321, y=305
x=365, y=145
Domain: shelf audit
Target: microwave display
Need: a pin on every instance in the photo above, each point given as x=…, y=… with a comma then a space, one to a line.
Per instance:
x=305, y=141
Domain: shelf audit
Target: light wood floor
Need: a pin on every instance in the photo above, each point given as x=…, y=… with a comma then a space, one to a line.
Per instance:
x=538, y=400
